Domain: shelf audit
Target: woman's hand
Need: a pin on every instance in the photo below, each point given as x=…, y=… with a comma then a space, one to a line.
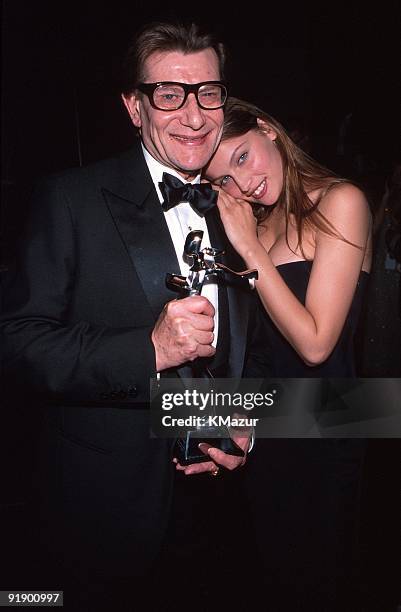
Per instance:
x=239, y=222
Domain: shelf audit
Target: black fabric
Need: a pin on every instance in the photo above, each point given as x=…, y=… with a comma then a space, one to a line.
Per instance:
x=201, y=196
x=286, y=361
x=304, y=498
x=304, y=494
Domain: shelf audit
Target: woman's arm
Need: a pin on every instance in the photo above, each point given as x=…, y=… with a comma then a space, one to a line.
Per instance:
x=313, y=329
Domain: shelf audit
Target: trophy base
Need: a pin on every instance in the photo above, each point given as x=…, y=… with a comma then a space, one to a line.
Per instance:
x=186, y=449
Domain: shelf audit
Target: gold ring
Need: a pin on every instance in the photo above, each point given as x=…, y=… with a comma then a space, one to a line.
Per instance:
x=215, y=472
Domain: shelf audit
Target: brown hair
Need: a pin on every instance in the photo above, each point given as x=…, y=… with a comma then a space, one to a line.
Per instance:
x=301, y=173
x=159, y=37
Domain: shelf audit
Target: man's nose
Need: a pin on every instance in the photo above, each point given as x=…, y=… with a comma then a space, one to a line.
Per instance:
x=192, y=114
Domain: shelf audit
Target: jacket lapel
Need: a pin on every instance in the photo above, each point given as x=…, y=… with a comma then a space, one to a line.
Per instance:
x=139, y=220
x=237, y=295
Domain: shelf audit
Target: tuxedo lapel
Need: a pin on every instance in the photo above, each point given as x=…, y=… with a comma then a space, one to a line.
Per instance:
x=237, y=295
x=138, y=217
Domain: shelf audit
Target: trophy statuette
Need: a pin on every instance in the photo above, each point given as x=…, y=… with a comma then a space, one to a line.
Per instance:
x=186, y=449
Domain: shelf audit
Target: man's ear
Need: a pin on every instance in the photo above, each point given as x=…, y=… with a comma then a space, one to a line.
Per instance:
x=132, y=104
x=266, y=129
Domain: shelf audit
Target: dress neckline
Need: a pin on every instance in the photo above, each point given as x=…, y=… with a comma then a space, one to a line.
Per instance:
x=308, y=262
x=296, y=261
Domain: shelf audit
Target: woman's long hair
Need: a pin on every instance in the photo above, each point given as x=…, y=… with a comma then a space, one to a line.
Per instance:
x=301, y=173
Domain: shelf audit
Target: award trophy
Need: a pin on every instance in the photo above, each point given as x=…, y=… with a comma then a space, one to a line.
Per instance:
x=201, y=268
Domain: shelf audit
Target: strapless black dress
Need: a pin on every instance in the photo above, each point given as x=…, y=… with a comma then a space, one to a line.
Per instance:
x=304, y=493
x=284, y=360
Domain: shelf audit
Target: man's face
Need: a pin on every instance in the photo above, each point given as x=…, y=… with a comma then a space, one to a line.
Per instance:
x=184, y=139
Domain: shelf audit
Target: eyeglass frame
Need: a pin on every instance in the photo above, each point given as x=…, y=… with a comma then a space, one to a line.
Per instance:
x=149, y=89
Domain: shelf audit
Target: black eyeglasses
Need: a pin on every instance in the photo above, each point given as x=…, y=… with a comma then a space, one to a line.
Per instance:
x=169, y=96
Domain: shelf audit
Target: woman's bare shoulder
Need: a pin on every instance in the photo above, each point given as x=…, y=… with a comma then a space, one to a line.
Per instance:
x=346, y=207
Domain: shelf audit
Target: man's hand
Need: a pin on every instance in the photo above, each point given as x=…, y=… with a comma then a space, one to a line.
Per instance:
x=183, y=332
x=219, y=459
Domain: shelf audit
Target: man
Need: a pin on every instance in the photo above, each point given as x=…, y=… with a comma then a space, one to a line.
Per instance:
x=88, y=319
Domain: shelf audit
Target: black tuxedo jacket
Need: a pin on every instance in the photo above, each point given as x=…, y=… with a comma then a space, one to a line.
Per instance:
x=79, y=309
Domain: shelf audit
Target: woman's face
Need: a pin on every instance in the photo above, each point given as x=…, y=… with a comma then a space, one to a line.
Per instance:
x=249, y=166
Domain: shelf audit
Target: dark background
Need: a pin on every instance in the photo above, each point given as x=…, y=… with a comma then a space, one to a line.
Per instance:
x=61, y=61
x=309, y=67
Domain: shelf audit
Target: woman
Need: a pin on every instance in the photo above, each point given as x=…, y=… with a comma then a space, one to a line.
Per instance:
x=308, y=234
x=311, y=243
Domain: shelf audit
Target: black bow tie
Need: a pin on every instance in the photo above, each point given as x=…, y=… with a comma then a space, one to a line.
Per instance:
x=201, y=197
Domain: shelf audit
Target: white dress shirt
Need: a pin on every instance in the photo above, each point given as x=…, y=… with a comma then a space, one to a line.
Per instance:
x=181, y=219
